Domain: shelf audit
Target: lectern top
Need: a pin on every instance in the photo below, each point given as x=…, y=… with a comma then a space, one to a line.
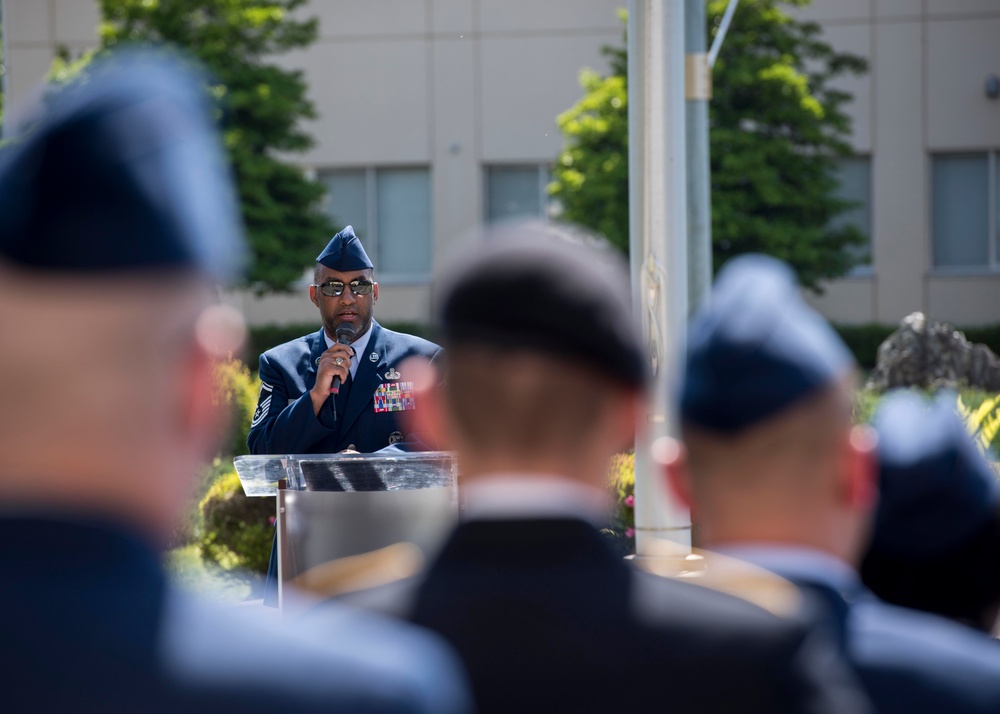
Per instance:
x=389, y=471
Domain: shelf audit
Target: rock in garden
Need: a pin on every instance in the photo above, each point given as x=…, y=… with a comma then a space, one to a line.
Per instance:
x=929, y=354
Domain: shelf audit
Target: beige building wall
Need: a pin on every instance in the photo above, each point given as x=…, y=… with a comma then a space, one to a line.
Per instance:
x=457, y=86
x=924, y=96
x=452, y=86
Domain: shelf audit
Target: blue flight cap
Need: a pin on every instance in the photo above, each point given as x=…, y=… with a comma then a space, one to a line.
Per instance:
x=344, y=253
x=936, y=487
x=122, y=171
x=756, y=348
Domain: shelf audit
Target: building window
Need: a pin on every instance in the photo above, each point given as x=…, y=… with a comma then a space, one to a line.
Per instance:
x=964, y=205
x=854, y=179
x=390, y=209
x=517, y=192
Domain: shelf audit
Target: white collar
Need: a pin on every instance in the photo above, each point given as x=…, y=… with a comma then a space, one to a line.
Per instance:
x=530, y=496
x=359, y=346
x=794, y=563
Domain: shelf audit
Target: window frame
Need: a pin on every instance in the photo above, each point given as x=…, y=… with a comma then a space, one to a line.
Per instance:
x=544, y=172
x=866, y=270
x=372, y=241
x=992, y=266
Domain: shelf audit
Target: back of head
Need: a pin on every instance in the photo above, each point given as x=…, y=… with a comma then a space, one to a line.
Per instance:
x=117, y=217
x=936, y=540
x=541, y=344
x=764, y=402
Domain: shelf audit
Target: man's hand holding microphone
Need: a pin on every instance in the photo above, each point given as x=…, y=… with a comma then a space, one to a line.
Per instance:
x=333, y=368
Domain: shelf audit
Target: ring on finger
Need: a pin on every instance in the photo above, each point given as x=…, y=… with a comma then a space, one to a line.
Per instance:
x=339, y=361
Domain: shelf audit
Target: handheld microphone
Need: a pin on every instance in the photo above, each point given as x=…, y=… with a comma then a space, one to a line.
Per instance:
x=345, y=332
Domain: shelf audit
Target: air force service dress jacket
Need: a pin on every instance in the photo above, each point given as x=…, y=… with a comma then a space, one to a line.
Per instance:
x=912, y=661
x=907, y=660
x=364, y=416
x=93, y=625
x=547, y=617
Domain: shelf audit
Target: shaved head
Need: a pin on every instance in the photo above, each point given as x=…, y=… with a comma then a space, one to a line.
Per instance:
x=97, y=376
x=804, y=476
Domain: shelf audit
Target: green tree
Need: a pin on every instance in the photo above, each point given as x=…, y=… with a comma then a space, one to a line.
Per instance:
x=777, y=127
x=261, y=108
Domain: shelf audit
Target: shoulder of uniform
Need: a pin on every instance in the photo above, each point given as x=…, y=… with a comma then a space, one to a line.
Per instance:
x=411, y=343
x=719, y=573
x=292, y=347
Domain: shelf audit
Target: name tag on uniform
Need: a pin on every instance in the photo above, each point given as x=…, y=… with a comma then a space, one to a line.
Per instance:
x=394, y=397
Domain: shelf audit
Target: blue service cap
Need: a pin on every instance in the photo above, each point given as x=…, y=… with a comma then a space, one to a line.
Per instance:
x=122, y=171
x=344, y=253
x=755, y=348
x=936, y=487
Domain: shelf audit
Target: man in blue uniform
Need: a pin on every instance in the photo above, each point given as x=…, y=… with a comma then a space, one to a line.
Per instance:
x=938, y=512
x=117, y=218
x=297, y=413
x=777, y=475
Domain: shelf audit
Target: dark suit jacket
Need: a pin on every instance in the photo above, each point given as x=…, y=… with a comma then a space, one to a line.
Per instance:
x=911, y=661
x=285, y=423
x=90, y=625
x=548, y=618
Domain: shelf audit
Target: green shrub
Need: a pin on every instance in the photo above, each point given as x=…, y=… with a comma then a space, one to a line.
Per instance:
x=863, y=341
x=865, y=403
x=988, y=335
x=236, y=531
x=979, y=410
x=188, y=529
x=981, y=413
x=238, y=390
x=621, y=483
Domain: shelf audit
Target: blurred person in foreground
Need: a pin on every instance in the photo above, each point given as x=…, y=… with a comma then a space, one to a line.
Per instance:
x=776, y=474
x=116, y=219
x=936, y=541
x=544, y=372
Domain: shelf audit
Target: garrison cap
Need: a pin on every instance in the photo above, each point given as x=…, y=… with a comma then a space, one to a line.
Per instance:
x=122, y=171
x=344, y=253
x=755, y=349
x=936, y=488
x=541, y=288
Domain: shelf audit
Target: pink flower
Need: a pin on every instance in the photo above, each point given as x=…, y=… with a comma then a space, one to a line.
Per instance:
x=630, y=501
x=270, y=521
x=629, y=532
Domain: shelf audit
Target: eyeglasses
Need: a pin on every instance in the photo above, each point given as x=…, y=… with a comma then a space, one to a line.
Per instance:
x=333, y=288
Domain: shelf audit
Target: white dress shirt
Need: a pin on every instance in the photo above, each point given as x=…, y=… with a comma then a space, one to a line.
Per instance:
x=359, y=346
x=533, y=496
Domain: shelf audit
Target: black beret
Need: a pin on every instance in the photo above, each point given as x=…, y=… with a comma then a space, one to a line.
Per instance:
x=344, y=253
x=123, y=170
x=538, y=287
x=755, y=348
x=936, y=488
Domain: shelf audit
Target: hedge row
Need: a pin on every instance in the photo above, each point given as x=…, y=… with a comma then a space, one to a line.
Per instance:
x=863, y=340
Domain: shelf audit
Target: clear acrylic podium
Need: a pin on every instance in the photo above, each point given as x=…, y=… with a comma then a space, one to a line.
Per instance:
x=351, y=521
